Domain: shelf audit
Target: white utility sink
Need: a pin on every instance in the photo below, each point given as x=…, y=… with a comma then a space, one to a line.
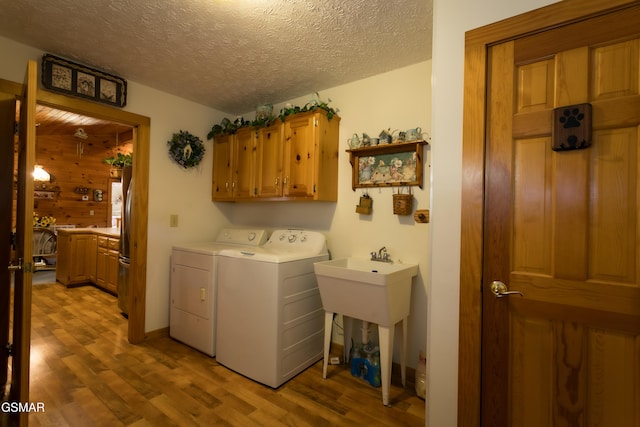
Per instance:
x=372, y=291
x=378, y=292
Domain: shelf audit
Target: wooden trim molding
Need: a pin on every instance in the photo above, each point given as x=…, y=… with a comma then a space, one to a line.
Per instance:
x=141, y=147
x=474, y=118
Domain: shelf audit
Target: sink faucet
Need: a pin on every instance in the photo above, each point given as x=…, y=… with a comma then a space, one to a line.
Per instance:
x=381, y=255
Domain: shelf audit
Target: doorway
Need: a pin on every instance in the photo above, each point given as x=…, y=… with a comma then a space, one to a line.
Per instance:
x=141, y=141
x=559, y=226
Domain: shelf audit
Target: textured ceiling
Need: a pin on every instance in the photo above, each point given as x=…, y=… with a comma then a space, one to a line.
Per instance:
x=228, y=54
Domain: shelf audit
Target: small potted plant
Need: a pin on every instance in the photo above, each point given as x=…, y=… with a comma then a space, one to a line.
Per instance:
x=117, y=162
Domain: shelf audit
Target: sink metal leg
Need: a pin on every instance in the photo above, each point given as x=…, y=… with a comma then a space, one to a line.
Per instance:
x=403, y=354
x=347, y=331
x=385, y=334
x=328, y=325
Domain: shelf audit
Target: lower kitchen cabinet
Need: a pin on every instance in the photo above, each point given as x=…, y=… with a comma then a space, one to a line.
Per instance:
x=107, y=263
x=88, y=258
x=76, y=259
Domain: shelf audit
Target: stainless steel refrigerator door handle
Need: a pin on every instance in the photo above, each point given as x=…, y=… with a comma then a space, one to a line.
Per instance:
x=500, y=290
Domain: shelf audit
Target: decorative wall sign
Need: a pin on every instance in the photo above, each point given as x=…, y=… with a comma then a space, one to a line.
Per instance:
x=387, y=165
x=61, y=75
x=571, y=127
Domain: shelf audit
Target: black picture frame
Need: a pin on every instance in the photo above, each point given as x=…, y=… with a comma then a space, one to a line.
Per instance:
x=63, y=76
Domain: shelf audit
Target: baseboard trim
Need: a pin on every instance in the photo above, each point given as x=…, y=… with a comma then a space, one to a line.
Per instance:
x=158, y=333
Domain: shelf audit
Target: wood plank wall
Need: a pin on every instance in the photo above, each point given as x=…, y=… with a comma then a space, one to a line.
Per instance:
x=77, y=163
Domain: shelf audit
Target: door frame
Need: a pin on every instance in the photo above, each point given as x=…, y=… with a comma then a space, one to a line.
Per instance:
x=477, y=43
x=141, y=146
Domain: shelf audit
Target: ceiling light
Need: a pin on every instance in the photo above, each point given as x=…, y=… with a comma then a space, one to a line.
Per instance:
x=39, y=174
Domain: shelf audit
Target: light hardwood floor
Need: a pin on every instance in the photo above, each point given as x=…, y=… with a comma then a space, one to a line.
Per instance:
x=87, y=374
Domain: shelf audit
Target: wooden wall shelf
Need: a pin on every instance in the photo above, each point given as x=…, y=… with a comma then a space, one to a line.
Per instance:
x=387, y=165
x=46, y=194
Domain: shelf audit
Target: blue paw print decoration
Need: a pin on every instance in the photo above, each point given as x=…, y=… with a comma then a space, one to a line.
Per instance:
x=571, y=127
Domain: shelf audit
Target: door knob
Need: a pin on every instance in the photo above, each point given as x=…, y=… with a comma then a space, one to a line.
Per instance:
x=500, y=290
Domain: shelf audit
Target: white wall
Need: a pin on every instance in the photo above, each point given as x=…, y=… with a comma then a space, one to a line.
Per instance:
x=452, y=18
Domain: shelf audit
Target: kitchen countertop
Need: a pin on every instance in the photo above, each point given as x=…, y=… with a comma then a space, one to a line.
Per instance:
x=103, y=231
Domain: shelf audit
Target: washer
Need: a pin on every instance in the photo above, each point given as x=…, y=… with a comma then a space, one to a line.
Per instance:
x=270, y=317
x=192, y=316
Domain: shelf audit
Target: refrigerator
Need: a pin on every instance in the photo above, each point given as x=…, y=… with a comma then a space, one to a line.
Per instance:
x=124, y=260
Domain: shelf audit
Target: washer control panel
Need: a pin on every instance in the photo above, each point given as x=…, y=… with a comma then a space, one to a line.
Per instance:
x=290, y=240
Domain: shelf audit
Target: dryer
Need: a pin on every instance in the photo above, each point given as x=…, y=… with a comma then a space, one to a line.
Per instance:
x=192, y=315
x=270, y=318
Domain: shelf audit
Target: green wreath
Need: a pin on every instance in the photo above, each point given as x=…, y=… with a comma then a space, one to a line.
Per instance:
x=186, y=149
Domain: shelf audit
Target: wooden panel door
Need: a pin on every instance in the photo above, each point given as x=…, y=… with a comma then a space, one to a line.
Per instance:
x=7, y=132
x=563, y=228
x=24, y=242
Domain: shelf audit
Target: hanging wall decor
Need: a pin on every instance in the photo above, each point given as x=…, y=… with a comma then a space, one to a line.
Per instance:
x=571, y=127
x=403, y=203
x=365, y=205
x=387, y=165
x=186, y=149
x=69, y=78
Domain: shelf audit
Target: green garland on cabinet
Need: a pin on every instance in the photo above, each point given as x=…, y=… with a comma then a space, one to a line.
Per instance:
x=228, y=127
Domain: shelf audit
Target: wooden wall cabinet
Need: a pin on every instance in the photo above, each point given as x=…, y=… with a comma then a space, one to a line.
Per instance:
x=244, y=154
x=294, y=160
x=222, y=167
x=269, y=146
x=76, y=261
x=311, y=157
x=233, y=165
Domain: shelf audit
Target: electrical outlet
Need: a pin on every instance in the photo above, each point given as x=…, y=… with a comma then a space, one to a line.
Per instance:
x=173, y=220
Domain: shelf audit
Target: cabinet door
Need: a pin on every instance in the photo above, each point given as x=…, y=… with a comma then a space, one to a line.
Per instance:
x=63, y=260
x=83, y=257
x=269, y=161
x=299, y=156
x=243, y=164
x=90, y=256
x=101, y=266
x=111, y=282
x=222, y=170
